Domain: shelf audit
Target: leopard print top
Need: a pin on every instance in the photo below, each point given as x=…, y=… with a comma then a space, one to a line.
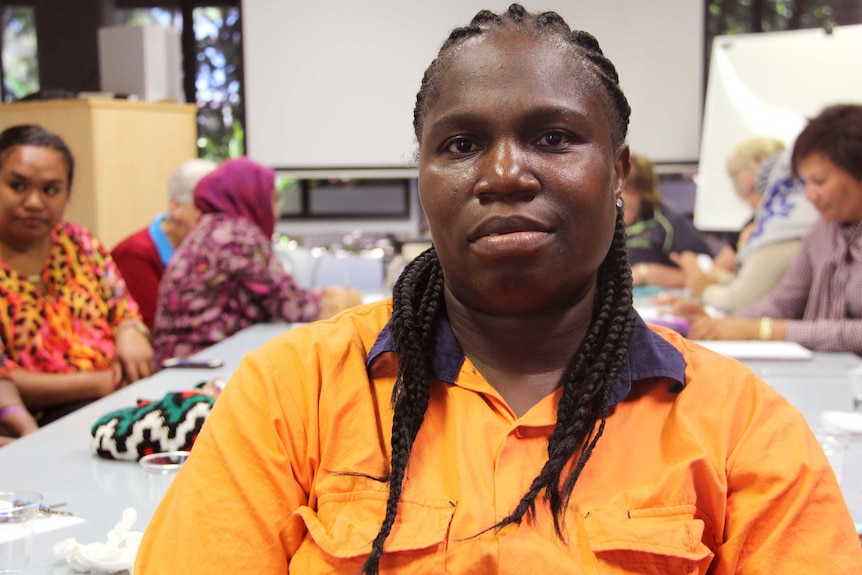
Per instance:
x=64, y=322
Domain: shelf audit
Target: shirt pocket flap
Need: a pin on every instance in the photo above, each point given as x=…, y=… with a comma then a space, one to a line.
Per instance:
x=674, y=531
x=345, y=524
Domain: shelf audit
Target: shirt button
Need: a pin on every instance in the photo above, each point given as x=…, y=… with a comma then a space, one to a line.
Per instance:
x=690, y=568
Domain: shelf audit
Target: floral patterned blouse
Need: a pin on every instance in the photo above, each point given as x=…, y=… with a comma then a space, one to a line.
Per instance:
x=222, y=278
x=64, y=320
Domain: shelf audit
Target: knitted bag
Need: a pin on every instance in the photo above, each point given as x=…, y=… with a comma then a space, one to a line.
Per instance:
x=169, y=424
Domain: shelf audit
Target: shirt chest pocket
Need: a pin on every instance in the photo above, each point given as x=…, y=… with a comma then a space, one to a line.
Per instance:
x=341, y=530
x=657, y=541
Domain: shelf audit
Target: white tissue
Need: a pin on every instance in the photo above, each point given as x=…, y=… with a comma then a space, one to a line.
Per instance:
x=115, y=555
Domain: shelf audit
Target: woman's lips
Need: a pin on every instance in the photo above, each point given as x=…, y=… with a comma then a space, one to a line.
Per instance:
x=511, y=243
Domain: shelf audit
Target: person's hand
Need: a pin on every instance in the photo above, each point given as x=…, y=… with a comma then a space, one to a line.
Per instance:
x=677, y=306
x=695, y=280
x=15, y=419
x=133, y=355
x=737, y=328
x=337, y=299
x=101, y=383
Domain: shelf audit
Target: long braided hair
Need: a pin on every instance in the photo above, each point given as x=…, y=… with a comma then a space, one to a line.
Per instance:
x=595, y=365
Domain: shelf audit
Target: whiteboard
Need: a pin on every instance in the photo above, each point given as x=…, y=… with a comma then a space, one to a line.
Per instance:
x=332, y=83
x=767, y=84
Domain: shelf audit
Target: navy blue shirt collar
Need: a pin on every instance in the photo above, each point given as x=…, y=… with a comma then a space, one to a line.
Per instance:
x=649, y=356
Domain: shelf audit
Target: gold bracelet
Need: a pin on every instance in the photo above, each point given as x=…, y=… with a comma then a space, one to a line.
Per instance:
x=765, y=328
x=137, y=324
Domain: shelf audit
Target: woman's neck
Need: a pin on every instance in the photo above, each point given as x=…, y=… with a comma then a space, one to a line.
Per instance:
x=26, y=259
x=522, y=356
x=172, y=231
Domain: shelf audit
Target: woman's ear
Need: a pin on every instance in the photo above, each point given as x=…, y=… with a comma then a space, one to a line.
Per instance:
x=622, y=166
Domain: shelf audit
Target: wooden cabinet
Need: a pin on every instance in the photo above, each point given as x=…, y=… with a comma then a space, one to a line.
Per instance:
x=124, y=153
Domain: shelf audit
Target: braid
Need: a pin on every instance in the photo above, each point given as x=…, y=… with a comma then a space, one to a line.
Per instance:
x=418, y=299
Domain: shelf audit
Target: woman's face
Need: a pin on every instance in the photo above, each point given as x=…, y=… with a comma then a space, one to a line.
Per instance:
x=33, y=194
x=517, y=174
x=744, y=182
x=835, y=193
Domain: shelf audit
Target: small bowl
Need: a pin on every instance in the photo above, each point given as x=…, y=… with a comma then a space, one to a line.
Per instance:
x=164, y=463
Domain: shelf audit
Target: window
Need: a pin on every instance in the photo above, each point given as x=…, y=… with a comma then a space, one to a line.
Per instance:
x=217, y=65
x=724, y=17
x=346, y=198
x=20, y=62
x=212, y=49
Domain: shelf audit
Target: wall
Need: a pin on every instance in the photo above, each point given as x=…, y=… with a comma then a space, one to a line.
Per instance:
x=332, y=83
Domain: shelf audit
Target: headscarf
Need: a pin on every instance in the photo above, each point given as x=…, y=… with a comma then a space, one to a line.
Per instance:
x=784, y=212
x=239, y=187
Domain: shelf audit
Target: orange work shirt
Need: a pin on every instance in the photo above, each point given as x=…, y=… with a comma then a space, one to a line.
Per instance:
x=701, y=469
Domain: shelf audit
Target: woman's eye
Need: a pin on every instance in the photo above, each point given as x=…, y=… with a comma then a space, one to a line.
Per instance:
x=554, y=139
x=52, y=191
x=460, y=146
x=18, y=186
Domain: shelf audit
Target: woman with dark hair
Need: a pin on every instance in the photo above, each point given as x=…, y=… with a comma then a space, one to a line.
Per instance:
x=225, y=276
x=68, y=329
x=655, y=231
x=507, y=411
x=818, y=302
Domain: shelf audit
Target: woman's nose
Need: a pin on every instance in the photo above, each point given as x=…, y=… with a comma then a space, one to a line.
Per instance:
x=506, y=171
x=33, y=198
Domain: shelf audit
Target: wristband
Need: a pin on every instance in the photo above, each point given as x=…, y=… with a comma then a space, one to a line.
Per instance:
x=765, y=328
x=11, y=409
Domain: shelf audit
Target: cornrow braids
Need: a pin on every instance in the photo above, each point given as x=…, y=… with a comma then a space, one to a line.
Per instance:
x=548, y=25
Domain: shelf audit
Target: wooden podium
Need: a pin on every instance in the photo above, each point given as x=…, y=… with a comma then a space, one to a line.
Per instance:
x=124, y=153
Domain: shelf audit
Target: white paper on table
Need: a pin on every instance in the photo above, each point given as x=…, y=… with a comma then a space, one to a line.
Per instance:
x=849, y=421
x=45, y=524
x=786, y=350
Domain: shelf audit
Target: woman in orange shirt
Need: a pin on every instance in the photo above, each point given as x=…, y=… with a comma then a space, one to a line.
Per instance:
x=507, y=411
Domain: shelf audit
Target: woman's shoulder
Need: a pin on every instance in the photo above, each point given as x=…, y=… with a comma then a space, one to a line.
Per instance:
x=77, y=238
x=353, y=331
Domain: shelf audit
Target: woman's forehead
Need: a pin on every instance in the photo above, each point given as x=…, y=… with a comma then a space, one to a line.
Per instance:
x=518, y=62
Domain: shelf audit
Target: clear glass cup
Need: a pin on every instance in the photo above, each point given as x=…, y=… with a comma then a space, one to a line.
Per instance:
x=161, y=469
x=18, y=513
x=834, y=443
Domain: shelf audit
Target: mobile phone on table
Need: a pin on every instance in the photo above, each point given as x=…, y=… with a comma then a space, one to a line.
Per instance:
x=192, y=363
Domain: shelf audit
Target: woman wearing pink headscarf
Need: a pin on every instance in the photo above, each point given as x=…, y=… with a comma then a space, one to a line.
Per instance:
x=225, y=276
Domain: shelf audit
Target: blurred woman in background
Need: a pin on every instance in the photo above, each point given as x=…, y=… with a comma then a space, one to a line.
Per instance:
x=143, y=256
x=225, y=276
x=654, y=230
x=818, y=302
x=69, y=331
x=767, y=245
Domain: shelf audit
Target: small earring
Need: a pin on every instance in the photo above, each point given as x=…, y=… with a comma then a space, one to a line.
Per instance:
x=619, y=202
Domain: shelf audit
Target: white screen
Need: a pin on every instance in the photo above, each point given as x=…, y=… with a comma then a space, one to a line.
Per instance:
x=767, y=85
x=332, y=83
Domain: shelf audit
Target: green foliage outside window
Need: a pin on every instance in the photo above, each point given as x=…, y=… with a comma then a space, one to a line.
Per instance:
x=20, y=61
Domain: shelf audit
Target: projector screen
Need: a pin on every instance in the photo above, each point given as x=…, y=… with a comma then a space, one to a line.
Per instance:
x=767, y=85
x=331, y=84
